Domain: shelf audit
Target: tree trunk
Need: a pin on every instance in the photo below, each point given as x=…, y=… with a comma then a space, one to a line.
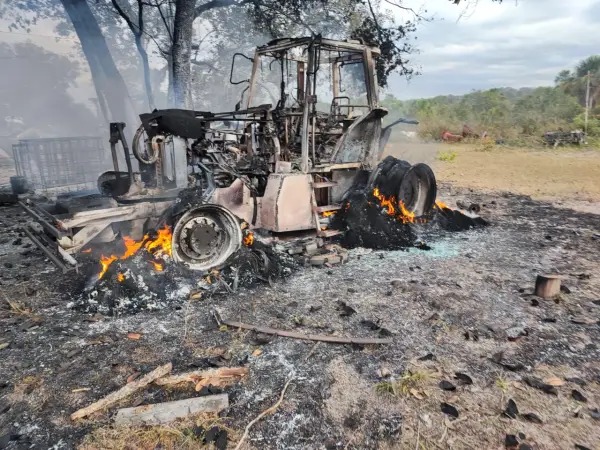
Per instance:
x=146, y=67
x=109, y=84
x=181, y=53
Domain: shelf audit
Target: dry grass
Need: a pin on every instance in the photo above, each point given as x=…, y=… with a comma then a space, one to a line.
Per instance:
x=563, y=173
x=180, y=435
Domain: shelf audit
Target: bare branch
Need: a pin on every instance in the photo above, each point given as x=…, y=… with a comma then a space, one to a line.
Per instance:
x=199, y=62
x=214, y=4
x=125, y=17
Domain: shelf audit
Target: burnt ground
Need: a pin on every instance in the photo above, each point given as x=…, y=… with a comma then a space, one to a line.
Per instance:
x=465, y=306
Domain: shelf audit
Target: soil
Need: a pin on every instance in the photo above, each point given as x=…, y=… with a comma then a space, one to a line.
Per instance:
x=566, y=175
x=465, y=306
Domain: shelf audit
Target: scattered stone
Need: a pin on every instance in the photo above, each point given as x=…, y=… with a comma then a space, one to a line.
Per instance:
x=29, y=291
x=315, y=308
x=576, y=395
x=4, y=407
x=351, y=422
x=511, y=409
x=565, y=289
x=427, y=357
x=371, y=325
x=463, y=378
x=549, y=319
x=346, y=310
x=532, y=417
x=539, y=384
x=384, y=372
x=584, y=320
x=511, y=441
x=261, y=338
x=397, y=283
x=447, y=386
x=525, y=446
x=389, y=427
x=498, y=358
x=576, y=380
x=581, y=447
x=8, y=265
x=351, y=290
x=515, y=333
x=535, y=302
x=221, y=441
x=449, y=410
x=595, y=413
x=472, y=335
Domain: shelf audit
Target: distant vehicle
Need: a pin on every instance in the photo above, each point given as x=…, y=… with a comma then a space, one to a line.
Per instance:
x=467, y=132
x=556, y=138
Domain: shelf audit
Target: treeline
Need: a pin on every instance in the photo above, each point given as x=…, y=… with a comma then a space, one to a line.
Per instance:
x=511, y=115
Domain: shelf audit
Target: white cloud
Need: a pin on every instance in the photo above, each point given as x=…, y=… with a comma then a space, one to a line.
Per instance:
x=485, y=44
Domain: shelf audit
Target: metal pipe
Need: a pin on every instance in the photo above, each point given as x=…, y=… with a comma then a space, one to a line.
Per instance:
x=48, y=253
x=47, y=225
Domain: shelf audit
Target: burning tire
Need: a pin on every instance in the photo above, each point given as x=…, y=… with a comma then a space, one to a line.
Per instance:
x=414, y=186
x=205, y=237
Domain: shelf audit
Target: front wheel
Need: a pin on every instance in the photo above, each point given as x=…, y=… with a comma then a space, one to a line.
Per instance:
x=205, y=236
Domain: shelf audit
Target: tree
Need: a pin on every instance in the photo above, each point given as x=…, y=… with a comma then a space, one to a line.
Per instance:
x=575, y=82
x=35, y=100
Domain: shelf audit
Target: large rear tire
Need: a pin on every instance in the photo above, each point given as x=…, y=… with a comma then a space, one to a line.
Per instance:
x=414, y=186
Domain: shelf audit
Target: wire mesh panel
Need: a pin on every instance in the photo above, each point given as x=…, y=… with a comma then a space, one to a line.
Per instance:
x=61, y=162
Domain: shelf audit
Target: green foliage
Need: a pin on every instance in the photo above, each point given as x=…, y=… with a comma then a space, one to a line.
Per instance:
x=447, y=156
x=506, y=114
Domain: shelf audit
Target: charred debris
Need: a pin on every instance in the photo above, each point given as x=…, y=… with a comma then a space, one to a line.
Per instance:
x=291, y=175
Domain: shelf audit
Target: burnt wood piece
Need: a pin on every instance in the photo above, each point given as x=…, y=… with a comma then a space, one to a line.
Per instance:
x=294, y=335
x=547, y=286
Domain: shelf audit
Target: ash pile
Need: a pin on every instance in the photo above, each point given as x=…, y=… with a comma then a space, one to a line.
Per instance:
x=141, y=275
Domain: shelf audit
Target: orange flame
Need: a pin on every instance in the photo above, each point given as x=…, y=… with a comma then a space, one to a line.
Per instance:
x=328, y=213
x=248, y=239
x=105, y=263
x=394, y=208
x=159, y=267
x=87, y=250
x=120, y=277
x=132, y=246
x=159, y=246
x=162, y=244
x=440, y=204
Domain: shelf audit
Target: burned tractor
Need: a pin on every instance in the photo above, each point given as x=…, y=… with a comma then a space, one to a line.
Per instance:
x=307, y=128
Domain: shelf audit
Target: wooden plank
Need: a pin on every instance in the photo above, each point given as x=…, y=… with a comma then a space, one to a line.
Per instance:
x=125, y=391
x=325, y=208
x=328, y=233
x=161, y=413
x=340, y=166
x=324, y=184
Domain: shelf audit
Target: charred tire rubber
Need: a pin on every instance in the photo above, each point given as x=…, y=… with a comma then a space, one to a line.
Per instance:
x=418, y=189
x=205, y=236
x=414, y=185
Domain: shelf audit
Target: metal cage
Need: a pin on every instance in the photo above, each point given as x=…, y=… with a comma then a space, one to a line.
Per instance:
x=66, y=163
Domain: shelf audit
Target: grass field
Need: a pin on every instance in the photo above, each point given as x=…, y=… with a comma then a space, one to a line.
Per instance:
x=566, y=176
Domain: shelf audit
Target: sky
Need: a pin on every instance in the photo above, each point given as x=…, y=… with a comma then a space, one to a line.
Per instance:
x=482, y=44
x=478, y=44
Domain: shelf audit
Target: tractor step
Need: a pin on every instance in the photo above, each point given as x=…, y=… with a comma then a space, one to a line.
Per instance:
x=325, y=208
x=328, y=233
x=324, y=184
